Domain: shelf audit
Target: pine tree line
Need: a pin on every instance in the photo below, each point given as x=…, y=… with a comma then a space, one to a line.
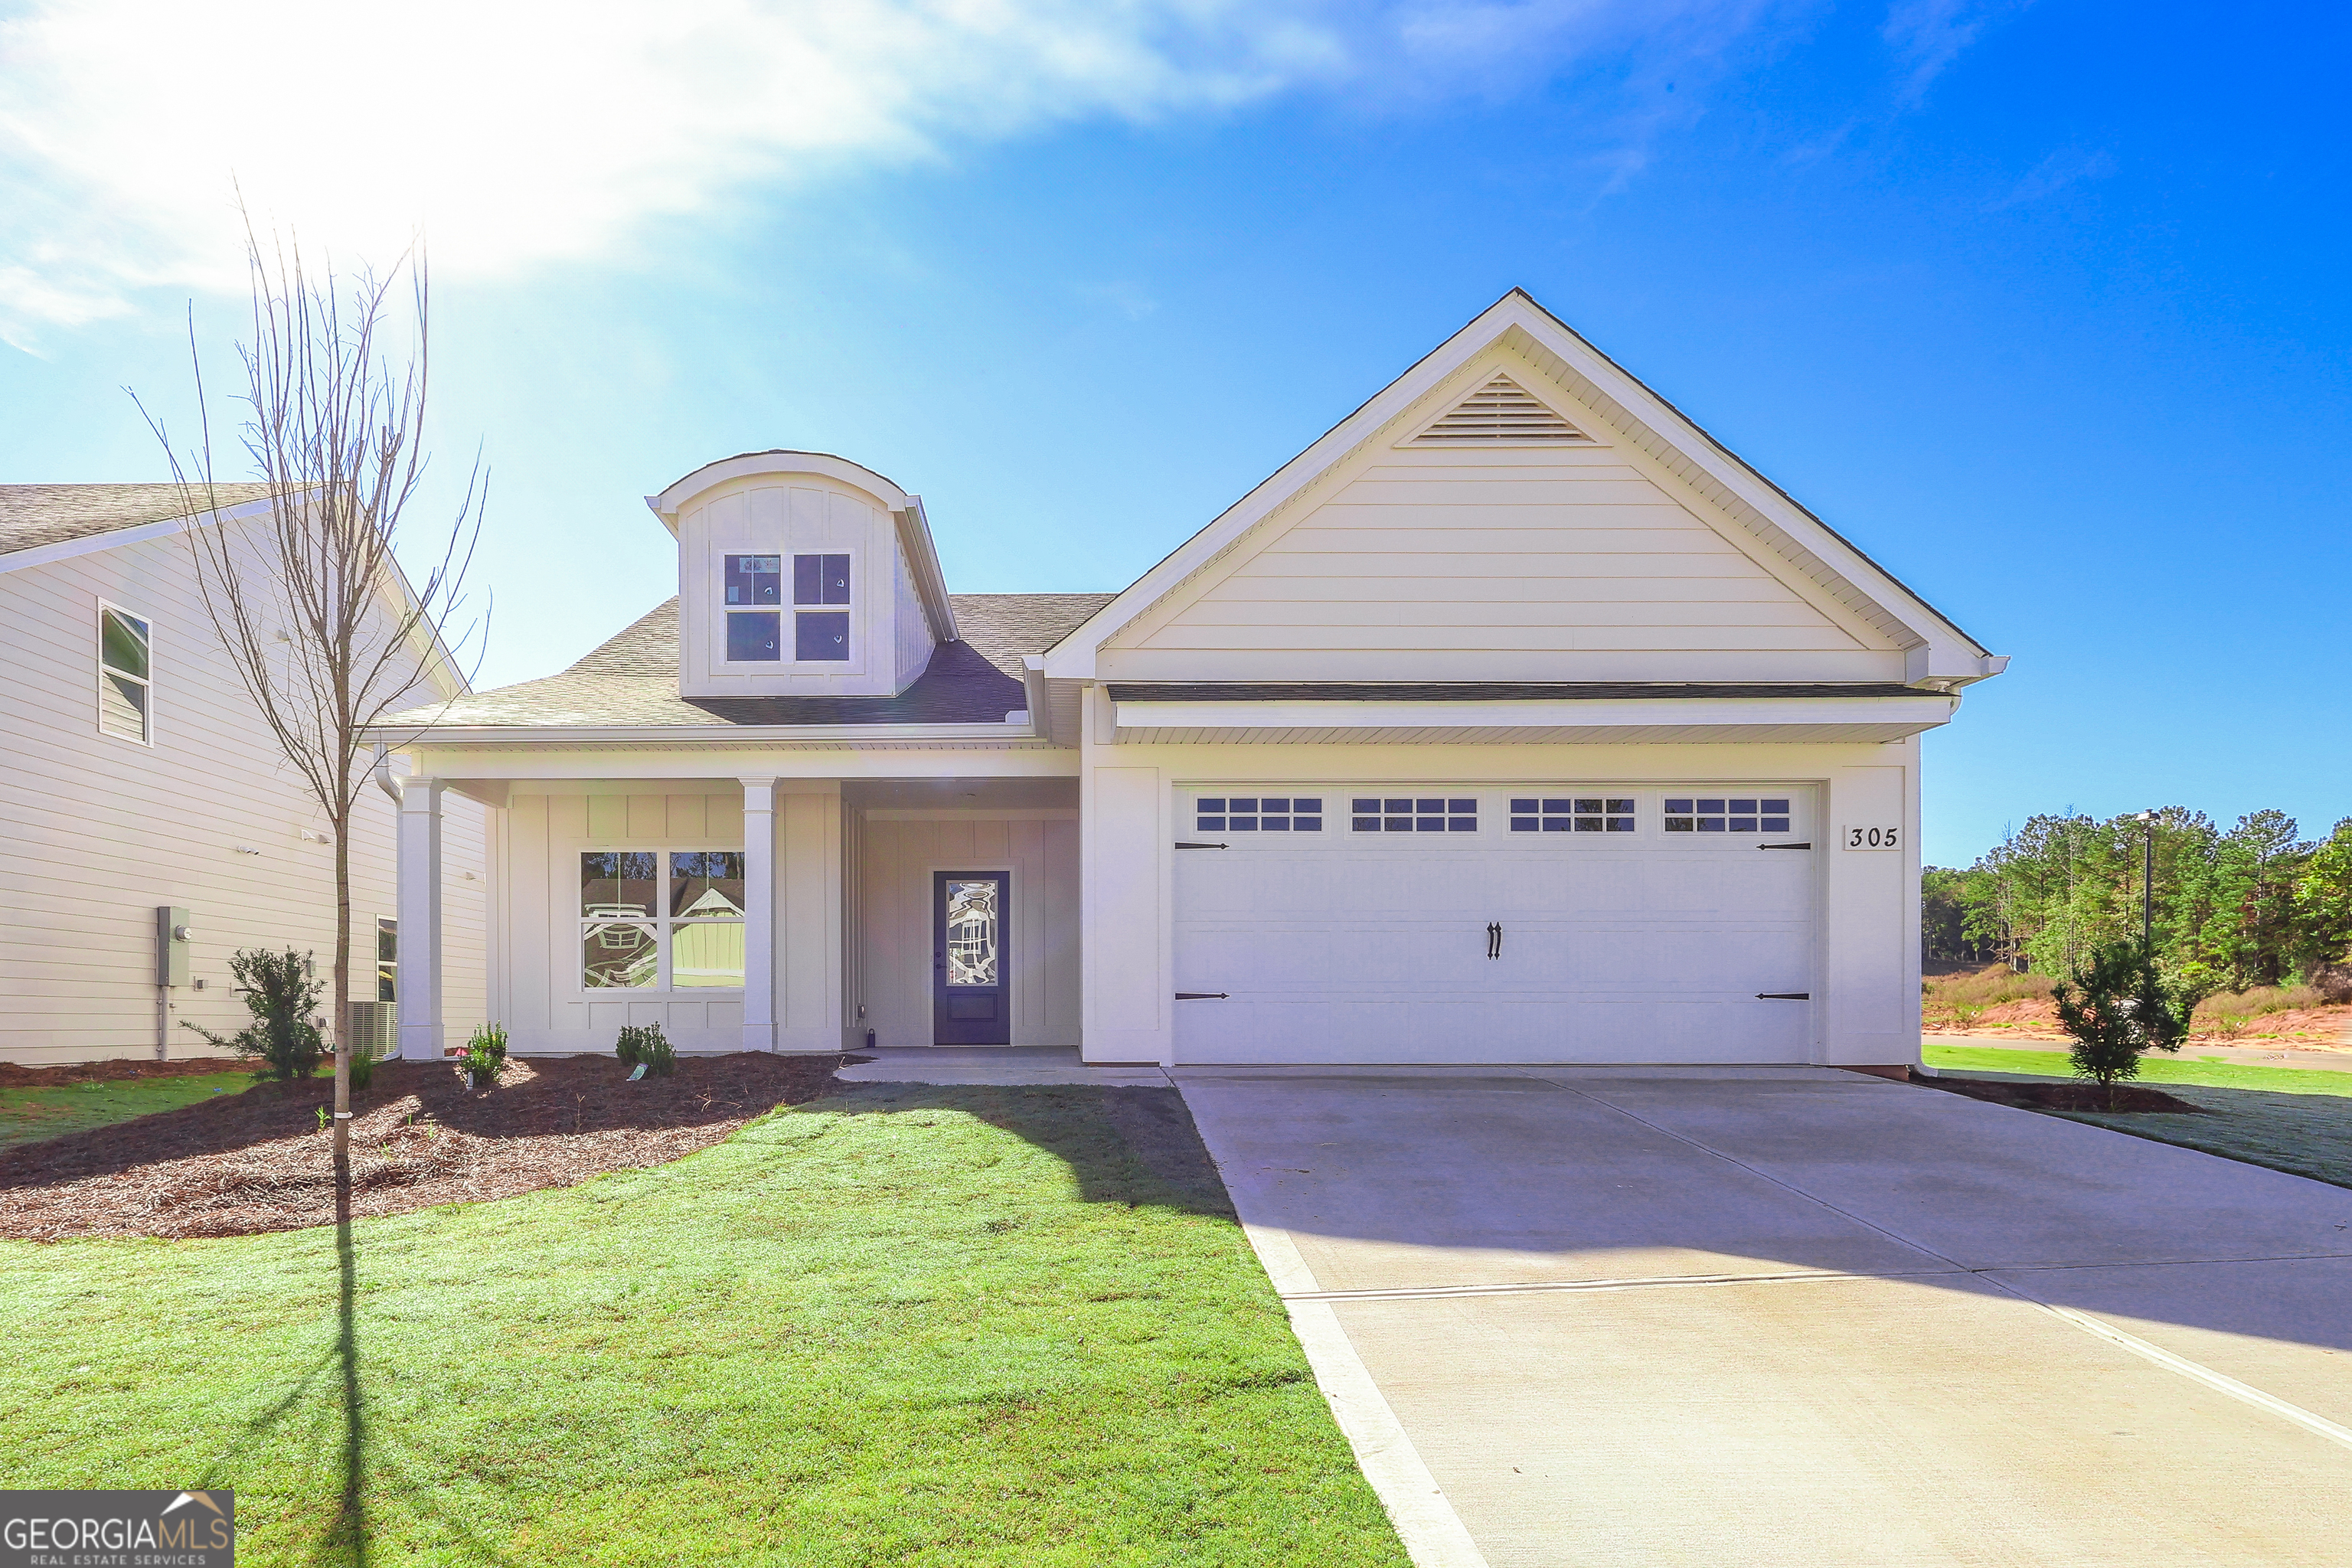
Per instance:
x=2251, y=906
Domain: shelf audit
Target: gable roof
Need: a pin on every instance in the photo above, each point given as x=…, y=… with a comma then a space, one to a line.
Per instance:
x=35, y=515
x=1937, y=650
x=631, y=682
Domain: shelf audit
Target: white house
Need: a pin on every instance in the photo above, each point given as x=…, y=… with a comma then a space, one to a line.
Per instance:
x=136, y=775
x=1514, y=720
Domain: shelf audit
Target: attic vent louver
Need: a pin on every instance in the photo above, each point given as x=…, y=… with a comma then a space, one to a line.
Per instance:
x=1500, y=411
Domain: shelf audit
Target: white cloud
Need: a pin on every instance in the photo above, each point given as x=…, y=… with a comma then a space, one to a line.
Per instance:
x=521, y=133
x=1931, y=34
x=2063, y=168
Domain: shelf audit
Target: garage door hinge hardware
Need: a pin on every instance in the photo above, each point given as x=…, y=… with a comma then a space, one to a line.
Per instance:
x=1494, y=939
x=1182, y=845
x=1784, y=846
x=1784, y=995
x=1202, y=995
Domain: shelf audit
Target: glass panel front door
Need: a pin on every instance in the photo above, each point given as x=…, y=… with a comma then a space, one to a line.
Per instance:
x=970, y=1001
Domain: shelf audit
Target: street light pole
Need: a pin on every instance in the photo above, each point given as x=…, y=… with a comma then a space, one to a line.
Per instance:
x=2147, y=881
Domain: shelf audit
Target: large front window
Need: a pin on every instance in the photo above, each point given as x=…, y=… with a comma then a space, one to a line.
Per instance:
x=653, y=920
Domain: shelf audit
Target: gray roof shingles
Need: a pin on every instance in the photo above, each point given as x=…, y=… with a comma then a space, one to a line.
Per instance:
x=632, y=680
x=35, y=515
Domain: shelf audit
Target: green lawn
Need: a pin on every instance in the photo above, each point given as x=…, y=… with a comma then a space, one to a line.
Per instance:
x=28, y=1114
x=901, y=1325
x=2290, y=1118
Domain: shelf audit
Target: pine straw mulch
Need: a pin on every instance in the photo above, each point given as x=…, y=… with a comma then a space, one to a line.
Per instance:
x=115, y=1069
x=258, y=1162
x=2063, y=1096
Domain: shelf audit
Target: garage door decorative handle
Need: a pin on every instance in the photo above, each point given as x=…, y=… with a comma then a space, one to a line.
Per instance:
x=1784, y=995
x=1183, y=845
x=1202, y=996
x=1784, y=846
x=1494, y=939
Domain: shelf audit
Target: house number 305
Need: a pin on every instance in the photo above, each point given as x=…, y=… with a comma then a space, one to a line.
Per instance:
x=1873, y=837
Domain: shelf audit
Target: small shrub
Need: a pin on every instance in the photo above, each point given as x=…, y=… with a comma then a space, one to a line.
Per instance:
x=2117, y=1008
x=2230, y=1009
x=645, y=1043
x=363, y=1069
x=2333, y=982
x=486, y=1055
x=283, y=997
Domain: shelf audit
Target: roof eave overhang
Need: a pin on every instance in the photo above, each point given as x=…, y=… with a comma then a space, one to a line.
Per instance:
x=1937, y=650
x=733, y=737
x=1864, y=721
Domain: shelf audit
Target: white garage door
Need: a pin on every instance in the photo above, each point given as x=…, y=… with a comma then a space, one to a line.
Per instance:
x=1569, y=923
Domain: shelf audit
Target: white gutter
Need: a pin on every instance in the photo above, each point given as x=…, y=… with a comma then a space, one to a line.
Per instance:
x=1017, y=725
x=1926, y=709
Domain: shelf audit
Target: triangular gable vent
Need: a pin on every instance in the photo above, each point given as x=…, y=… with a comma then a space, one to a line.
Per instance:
x=1500, y=412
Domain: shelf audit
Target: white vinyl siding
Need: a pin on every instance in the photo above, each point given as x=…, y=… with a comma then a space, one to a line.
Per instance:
x=100, y=834
x=897, y=856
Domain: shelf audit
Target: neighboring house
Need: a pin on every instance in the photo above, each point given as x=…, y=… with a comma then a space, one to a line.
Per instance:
x=1516, y=720
x=136, y=774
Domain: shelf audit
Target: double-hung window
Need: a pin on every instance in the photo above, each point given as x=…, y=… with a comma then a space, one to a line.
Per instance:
x=654, y=920
x=126, y=675
x=820, y=635
x=753, y=634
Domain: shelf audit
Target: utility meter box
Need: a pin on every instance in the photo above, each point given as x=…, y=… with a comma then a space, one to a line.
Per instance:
x=173, y=937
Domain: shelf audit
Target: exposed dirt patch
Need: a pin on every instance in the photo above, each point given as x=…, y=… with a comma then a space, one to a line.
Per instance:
x=2124, y=1097
x=258, y=1162
x=2307, y=1028
x=12, y=1076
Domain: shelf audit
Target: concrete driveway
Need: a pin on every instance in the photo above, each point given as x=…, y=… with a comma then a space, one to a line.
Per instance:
x=1763, y=1317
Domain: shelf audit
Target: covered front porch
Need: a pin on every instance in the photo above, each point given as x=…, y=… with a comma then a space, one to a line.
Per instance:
x=753, y=910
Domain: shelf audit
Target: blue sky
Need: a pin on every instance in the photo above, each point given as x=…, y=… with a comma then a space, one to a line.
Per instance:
x=2042, y=304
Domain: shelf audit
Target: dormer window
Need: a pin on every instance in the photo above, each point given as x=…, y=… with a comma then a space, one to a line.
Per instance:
x=753, y=636
x=820, y=636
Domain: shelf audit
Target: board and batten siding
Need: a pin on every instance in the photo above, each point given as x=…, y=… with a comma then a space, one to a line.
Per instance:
x=99, y=830
x=1516, y=563
x=899, y=854
x=536, y=983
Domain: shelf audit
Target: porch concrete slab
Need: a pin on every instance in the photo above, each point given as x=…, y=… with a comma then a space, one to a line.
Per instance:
x=1989, y=1186
x=1385, y=1180
x=1529, y=1268
x=1832, y=1422
x=1007, y=1065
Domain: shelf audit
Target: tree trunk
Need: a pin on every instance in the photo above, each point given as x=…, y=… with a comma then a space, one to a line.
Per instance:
x=343, y=984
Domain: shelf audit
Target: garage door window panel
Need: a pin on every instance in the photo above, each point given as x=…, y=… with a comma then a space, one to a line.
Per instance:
x=1573, y=814
x=1412, y=813
x=1727, y=814
x=1257, y=814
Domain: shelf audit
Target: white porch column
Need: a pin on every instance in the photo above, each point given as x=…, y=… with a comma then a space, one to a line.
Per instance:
x=420, y=918
x=759, y=914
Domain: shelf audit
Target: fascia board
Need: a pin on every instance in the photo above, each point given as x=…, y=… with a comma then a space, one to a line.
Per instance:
x=750, y=465
x=1925, y=711
x=1735, y=475
x=1073, y=658
x=137, y=533
x=695, y=735
x=923, y=557
x=1953, y=653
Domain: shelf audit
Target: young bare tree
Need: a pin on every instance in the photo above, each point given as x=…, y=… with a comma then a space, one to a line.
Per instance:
x=325, y=630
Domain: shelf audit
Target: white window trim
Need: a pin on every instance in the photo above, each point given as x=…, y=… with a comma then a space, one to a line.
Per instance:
x=662, y=923
x=97, y=656
x=788, y=611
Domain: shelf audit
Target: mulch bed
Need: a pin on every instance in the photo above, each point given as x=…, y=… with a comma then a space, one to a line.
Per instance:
x=2126, y=1097
x=115, y=1070
x=258, y=1162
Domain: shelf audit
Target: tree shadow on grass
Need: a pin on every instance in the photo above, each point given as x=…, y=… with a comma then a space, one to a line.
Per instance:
x=1132, y=1146
x=2299, y=1133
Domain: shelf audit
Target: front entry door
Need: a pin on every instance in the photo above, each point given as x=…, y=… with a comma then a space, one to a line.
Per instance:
x=971, y=991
